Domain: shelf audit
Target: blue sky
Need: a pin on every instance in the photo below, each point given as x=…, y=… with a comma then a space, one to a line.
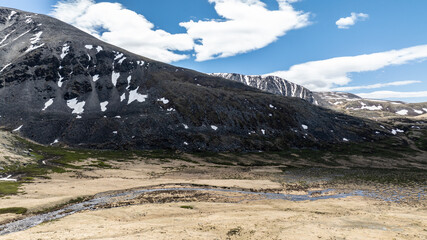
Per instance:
x=308, y=52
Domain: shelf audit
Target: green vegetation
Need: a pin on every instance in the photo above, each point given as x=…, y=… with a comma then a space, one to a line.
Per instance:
x=9, y=188
x=15, y=210
x=381, y=176
x=187, y=207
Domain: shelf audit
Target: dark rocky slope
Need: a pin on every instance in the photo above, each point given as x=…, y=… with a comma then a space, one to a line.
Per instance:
x=61, y=85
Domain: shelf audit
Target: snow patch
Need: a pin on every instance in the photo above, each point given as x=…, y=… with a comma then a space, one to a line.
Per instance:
x=163, y=100
x=8, y=179
x=118, y=55
x=53, y=143
x=7, y=65
x=129, y=80
x=11, y=15
x=118, y=117
x=78, y=107
x=121, y=60
x=186, y=143
x=17, y=129
x=104, y=106
x=5, y=37
x=90, y=47
x=171, y=110
x=263, y=131
x=65, y=50
x=345, y=140
x=135, y=96
x=418, y=111
x=123, y=97
x=95, y=78
x=114, y=77
x=371, y=108
x=395, y=131
x=185, y=126
x=402, y=112
x=425, y=109
x=47, y=104
x=304, y=126
x=34, y=40
x=214, y=127
x=140, y=63
x=115, y=132
x=60, y=80
x=99, y=49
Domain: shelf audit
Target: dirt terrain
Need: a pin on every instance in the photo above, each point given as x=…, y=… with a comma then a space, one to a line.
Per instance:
x=182, y=215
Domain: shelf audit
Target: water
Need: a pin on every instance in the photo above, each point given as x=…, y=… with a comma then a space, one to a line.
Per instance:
x=96, y=202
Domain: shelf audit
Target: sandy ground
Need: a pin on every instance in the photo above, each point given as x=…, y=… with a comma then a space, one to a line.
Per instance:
x=348, y=218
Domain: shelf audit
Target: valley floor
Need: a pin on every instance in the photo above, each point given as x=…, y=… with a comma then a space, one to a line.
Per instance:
x=392, y=206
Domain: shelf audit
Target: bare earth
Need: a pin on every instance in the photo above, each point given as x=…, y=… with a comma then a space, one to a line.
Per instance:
x=346, y=218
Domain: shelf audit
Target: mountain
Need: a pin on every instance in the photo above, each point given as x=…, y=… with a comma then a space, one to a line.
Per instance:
x=347, y=103
x=271, y=84
x=59, y=85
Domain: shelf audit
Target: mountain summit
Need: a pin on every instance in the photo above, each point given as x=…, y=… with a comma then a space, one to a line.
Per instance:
x=61, y=85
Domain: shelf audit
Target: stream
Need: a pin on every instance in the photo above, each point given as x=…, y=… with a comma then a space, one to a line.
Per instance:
x=107, y=198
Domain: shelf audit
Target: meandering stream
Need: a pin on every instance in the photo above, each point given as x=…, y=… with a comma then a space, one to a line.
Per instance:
x=109, y=198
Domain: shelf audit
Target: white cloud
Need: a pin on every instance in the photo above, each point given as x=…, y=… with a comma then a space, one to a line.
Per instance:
x=345, y=23
x=378, y=85
x=124, y=28
x=326, y=74
x=248, y=25
x=392, y=94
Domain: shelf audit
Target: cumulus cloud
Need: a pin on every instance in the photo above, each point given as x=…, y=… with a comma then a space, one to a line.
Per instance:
x=345, y=23
x=112, y=23
x=330, y=73
x=392, y=94
x=378, y=85
x=247, y=25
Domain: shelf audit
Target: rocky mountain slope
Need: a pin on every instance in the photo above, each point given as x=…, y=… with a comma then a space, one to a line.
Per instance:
x=271, y=84
x=59, y=85
x=339, y=101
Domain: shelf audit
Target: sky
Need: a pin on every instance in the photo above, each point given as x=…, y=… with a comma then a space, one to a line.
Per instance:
x=373, y=48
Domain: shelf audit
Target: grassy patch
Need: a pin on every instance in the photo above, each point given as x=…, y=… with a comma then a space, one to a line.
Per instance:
x=187, y=207
x=15, y=210
x=9, y=188
x=386, y=176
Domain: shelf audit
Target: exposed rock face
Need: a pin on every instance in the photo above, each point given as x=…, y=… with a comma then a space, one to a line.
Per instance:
x=59, y=84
